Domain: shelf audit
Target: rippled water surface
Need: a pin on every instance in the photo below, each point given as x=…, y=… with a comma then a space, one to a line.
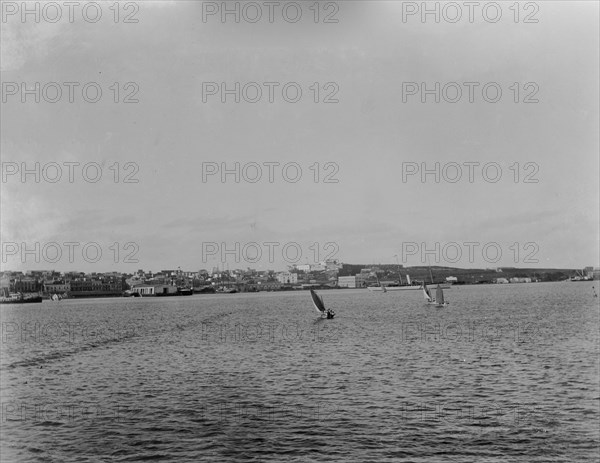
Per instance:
x=505, y=373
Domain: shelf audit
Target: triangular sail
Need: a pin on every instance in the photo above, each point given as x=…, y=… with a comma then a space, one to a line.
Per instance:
x=439, y=295
x=426, y=293
x=317, y=302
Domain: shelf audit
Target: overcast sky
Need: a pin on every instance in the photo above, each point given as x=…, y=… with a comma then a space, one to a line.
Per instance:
x=369, y=136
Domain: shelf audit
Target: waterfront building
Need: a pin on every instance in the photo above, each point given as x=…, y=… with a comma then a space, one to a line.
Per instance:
x=520, y=280
x=25, y=285
x=154, y=290
x=269, y=285
x=347, y=282
x=143, y=289
x=57, y=287
x=95, y=287
x=287, y=278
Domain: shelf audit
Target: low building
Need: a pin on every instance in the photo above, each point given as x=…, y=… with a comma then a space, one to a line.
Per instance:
x=451, y=279
x=520, y=280
x=268, y=286
x=91, y=287
x=501, y=281
x=143, y=290
x=287, y=278
x=347, y=282
x=165, y=290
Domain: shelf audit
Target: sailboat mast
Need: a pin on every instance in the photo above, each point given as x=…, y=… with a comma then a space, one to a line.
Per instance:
x=399, y=274
x=430, y=274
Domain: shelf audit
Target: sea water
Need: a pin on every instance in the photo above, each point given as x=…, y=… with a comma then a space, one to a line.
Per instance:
x=505, y=373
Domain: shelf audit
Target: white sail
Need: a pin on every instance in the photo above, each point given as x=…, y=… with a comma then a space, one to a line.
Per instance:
x=426, y=293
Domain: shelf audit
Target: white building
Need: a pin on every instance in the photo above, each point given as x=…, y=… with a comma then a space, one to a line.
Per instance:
x=347, y=282
x=287, y=278
x=311, y=267
x=144, y=290
x=520, y=280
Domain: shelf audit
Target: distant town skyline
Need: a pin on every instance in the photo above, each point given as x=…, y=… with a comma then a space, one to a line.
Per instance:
x=211, y=270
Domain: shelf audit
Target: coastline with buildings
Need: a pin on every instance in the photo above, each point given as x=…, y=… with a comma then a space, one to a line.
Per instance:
x=330, y=274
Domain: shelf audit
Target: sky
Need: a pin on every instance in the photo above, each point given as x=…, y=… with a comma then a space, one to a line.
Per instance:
x=345, y=174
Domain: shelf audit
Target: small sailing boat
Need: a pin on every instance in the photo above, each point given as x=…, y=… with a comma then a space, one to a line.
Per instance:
x=439, y=297
x=438, y=301
x=380, y=284
x=320, y=306
x=426, y=293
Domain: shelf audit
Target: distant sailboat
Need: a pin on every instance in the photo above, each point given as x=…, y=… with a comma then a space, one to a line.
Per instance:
x=439, y=296
x=320, y=305
x=426, y=293
x=380, y=286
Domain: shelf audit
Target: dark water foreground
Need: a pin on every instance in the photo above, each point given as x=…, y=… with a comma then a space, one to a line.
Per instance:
x=506, y=373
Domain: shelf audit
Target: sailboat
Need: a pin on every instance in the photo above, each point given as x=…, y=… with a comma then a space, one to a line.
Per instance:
x=426, y=293
x=439, y=297
x=438, y=301
x=320, y=305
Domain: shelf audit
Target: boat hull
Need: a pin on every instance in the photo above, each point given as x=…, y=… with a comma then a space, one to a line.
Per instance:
x=439, y=306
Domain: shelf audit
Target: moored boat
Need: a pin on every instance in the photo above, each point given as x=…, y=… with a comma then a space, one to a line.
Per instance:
x=20, y=298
